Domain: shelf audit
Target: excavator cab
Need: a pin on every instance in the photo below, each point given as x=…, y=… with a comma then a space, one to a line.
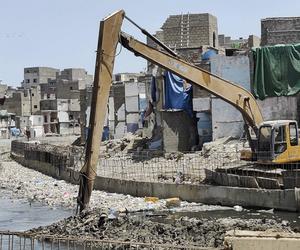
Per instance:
x=278, y=142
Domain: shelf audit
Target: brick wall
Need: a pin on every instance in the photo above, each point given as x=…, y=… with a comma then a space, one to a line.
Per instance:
x=281, y=30
x=190, y=30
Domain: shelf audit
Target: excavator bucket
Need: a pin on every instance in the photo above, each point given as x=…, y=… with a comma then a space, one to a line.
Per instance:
x=108, y=39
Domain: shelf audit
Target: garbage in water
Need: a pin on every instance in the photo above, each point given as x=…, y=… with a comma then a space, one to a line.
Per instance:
x=173, y=202
x=238, y=208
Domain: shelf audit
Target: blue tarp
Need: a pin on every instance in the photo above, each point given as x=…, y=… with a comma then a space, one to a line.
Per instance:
x=176, y=97
x=15, y=131
x=208, y=54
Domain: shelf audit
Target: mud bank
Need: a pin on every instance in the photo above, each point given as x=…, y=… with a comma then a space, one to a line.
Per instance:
x=142, y=228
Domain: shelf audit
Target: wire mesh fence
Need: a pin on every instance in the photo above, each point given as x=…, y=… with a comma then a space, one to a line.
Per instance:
x=26, y=241
x=174, y=167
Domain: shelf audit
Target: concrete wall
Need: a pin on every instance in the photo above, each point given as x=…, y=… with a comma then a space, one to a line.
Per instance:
x=48, y=90
x=13, y=104
x=179, y=131
x=57, y=165
x=249, y=240
x=226, y=120
x=48, y=104
x=279, y=108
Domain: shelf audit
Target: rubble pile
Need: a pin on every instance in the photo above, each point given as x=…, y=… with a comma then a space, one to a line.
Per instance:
x=152, y=166
x=127, y=144
x=137, y=228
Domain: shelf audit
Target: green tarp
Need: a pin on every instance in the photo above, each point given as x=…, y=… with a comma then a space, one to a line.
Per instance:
x=276, y=70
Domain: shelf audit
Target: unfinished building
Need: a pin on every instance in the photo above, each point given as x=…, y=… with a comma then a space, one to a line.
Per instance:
x=190, y=30
x=280, y=30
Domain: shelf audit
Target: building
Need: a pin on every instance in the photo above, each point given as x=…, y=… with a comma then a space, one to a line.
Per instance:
x=7, y=121
x=241, y=44
x=60, y=104
x=34, y=76
x=190, y=30
x=280, y=30
x=127, y=102
x=195, y=38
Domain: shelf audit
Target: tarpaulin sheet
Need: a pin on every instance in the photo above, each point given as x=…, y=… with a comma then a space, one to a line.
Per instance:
x=176, y=95
x=153, y=89
x=276, y=70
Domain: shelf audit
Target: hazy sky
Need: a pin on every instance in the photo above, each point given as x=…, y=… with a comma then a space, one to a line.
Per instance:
x=64, y=33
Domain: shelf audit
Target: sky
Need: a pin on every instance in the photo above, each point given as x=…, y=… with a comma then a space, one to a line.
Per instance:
x=64, y=33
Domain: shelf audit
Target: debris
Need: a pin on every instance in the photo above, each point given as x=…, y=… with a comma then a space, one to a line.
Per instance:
x=182, y=231
x=270, y=211
x=173, y=202
x=151, y=199
x=285, y=223
x=179, y=178
x=112, y=214
x=238, y=208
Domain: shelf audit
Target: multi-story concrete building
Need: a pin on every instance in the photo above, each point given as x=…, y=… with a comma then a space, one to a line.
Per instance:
x=127, y=77
x=60, y=104
x=35, y=76
x=195, y=38
x=280, y=30
x=75, y=74
x=7, y=121
x=126, y=103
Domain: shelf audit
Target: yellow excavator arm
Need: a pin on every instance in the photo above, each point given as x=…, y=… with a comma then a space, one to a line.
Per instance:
x=233, y=94
x=109, y=36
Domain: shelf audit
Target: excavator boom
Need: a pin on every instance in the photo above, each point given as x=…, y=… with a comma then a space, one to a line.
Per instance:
x=233, y=94
x=109, y=35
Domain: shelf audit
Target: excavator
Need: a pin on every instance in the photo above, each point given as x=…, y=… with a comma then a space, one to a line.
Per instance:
x=271, y=142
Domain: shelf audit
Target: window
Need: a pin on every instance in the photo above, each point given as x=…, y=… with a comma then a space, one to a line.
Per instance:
x=279, y=134
x=48, y=96
x=27, y=80
x=265, y=139
x=32, y=94
x=280, y=139
x=293, y=134
x=35, y=106
x=35, y=80
x=214, y=39
x=71, y=88
x=70, y=117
